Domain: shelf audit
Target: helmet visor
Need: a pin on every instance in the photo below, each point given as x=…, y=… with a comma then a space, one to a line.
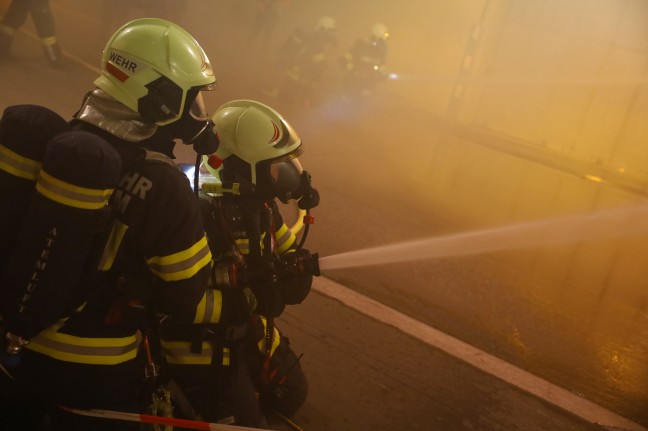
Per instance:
x=285, y=176
x=198, y=110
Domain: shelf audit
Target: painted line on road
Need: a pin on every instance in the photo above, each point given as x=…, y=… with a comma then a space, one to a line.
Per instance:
x=490, y=364
x=65, y=53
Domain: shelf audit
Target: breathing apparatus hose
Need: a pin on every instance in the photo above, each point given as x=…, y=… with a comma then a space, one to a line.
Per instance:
x=299, y=223
x=306, y=228
x=197, y=173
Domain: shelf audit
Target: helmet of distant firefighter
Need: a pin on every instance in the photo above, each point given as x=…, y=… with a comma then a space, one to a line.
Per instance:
x=379, y=31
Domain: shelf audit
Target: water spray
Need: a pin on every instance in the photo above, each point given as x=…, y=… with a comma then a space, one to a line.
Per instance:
x=608, y=224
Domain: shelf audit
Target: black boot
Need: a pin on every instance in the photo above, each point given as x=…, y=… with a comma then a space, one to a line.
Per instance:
x=53, y=54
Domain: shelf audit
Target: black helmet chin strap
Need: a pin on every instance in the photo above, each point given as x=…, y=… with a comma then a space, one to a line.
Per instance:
x=205, y=142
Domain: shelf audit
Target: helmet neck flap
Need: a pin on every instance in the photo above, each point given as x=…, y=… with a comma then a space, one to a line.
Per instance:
x=105, y=112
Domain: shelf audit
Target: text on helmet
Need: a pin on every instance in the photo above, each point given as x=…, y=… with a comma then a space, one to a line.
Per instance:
x=123, y=62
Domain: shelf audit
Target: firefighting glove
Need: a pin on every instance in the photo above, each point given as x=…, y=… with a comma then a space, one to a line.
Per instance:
x=297, y=290
x=238, y=305
x=247, y=300
x=270, y=299
x=299, y=267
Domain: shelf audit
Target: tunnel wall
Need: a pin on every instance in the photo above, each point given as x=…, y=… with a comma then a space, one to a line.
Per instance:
x=569, y=77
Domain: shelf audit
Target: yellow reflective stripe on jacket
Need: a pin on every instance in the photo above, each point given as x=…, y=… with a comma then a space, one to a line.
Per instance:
x=276, y=338
x=50, y=40
x=182, y=265
x=70, y=194
x=17, y=165
x=83, y=350
x=209, y=308
x=112, y=245
x=285, y=239
x=243, y=245
x=179, y=352
x=226, y=356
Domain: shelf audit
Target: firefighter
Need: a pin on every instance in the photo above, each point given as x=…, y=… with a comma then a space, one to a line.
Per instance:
x=155, y=251
x=268, y=15
x=254, y=248
x=303, y=60
x=41, y=14
x=363, y=64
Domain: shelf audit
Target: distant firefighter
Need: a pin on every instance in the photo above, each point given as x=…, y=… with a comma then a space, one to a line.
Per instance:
x=267, y=17
x=364, y=63
x=41, y=14
x=303, y=59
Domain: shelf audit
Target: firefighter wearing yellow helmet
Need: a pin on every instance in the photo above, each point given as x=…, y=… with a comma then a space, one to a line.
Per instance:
x=152, y=76
x=365, y=62
x=152, y=252
x=260, y=149
x=302, y=60
x=256, y=165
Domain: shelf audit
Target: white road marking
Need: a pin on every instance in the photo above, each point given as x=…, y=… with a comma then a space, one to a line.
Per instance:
x=490, y=364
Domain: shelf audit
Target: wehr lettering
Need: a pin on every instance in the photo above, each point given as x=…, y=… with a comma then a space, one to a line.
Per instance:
x=123, y=62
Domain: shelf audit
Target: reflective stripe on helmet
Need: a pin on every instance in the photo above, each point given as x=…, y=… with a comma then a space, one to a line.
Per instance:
x=70, y=194
x=182, y=265
x=17, y=165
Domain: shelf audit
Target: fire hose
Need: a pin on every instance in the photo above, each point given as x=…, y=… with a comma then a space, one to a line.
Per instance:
x=157, y=420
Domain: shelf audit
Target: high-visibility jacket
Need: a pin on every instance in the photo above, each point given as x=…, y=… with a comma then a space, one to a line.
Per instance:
x=239, y=222
x=156, y=252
